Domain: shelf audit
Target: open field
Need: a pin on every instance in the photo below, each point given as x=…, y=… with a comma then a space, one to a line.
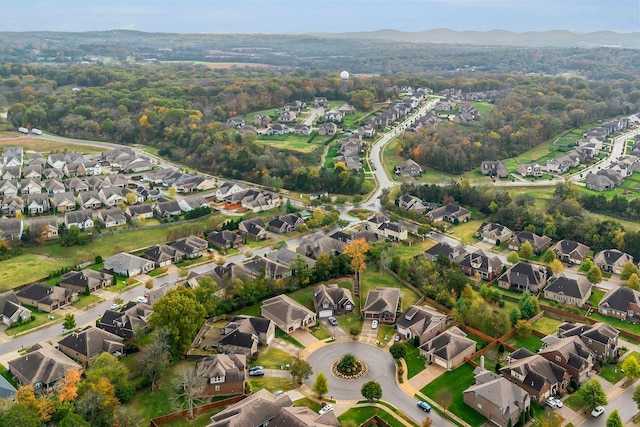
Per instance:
x=228, y=65
x=484, y=108
x=45, y=147
x=546, y=325
x=295, y=142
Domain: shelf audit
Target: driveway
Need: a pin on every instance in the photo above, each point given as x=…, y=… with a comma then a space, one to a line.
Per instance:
x=303, y=337
x=381, y=369
x=336, y=331
x=368, y=332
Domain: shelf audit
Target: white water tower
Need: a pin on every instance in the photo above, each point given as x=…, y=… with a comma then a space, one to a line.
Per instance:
x=344, y=76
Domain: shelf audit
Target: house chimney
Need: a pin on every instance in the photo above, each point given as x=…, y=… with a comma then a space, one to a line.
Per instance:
x=482, y=363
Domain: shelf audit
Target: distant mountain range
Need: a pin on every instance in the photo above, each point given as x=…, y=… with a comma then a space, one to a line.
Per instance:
x=556, y=38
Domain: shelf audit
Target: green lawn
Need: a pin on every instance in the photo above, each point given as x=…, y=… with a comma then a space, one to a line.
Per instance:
x=546, y=325
x=271, y=383
x=320, y=332
x=295, y=142
x=272, y=358
x=304, y=296
x=574, y=402
x=386, y=333
x=457, y=381
x=484, y=108
x=288, y=338
x=531, y=342
x=616, y=323
x=311, y=404
x=41, y=319
x=613, y=373
x=417, y=247
x=596, y=297
x=86, y=300
x=415, y=363
x=349, y=321
x=7, y=376
x=359, y=415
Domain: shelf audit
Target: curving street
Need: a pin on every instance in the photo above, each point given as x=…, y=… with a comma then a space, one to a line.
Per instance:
x=381, y=369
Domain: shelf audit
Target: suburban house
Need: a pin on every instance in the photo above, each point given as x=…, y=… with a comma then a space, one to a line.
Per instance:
x=536, y=375
x=408, y=168
x=258, y=409
x=571, y=354
x=287, y=223
x=287, y=314
x=126, y=323
x=449, y=213
x=44, y=229
x=163, y=255
x=328, y=128
x=612, y=260
x=494, y=233
x=382, y=304
x=570, y=251
x=479, y=263
x=287, y=257
x=452, y=253
x=600, y=338
x=110, y=196
x=332, y=300
x=225, y=240
x=89, y=343
x=539, y=244
x=253, y=228
x=497, y=399
x=7, y=391
x=11, y=228
x=81, y=218
x=223, y=374
x=38, y=203
x=420, y=322
x=64, y=202
x=11, y=205
x=530, y=169
x=42, y=366
x=89, y=200
x=264, y=267
x=192, y=246
x=112, y=217
x=128, y=265
x=87, y=279
x=11, y=310
x=317, y=244
x=165, y=210
x=622, y=303
x=243, y=334
x=448, y=349
x=411, y=203
x=390, y=230
x=524, y=277
x=139, y=211
x=568, y=291
x=494, y=168
x=45, y=298
x=301, y=416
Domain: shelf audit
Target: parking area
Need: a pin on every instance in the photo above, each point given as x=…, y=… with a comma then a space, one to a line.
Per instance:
x=336, y=331
x=367, y=331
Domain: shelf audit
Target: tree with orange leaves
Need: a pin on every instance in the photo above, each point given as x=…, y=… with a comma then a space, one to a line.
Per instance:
x=356, y=250
x=39, y=405
x=69, y=388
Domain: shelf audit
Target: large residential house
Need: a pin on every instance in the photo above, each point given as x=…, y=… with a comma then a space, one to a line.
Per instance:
x=139, y=211
x=331, y=300
x=287, y=257
x=451, y=213
x=420, y=322
x=539, y=244
x=81, y=218
x=42, y=366
x=11, y=311
x=408, y=168
x=253, y=228
x=243, y=334
x=85, y=280
x=390, y=230
x=89, y=343
x=494, y=233
x=480, y=263
x=44, y=229
x=382, y=304
x=452, y=253
x=128, y=265
x=11, y=228
x=449, y=349
x=112, y=217
x=495, y=168
x=524, y=277
x=412, y=203
x=536, y=375
x=622, y=303
x=287, y=223
x=90, y=200
x=126, y=323
x=568, y=291
x=530, y=169
x=257, y=410
x=600, y=338
x=570, y=251
x=287, y=314
x=192, y=246
x=163, y=255
x=571, y=354
x=499, y=400
x=223, y=374
x=45, y=298
x=612, y=260
x=317, y=244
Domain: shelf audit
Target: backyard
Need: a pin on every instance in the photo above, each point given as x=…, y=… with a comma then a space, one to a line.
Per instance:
x=371, y=278
x=456, y=381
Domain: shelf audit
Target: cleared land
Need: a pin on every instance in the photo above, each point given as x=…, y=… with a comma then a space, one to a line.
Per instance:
x=45, y=146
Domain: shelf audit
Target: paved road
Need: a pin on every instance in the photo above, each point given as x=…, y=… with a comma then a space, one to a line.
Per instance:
x=623, y=403
x=381, y=369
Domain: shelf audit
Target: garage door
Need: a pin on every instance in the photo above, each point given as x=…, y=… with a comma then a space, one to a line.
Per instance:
x=325, y=313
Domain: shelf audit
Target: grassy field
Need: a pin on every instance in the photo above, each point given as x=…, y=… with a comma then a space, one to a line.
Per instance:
x=456, y=381
x=596, y=297
x=372, y=278
x=417, y=247
x=311, y=404
x=294, y=142
x=45, y=147
x=546, y=325
x=349, y=321
x=271, y=383
x=531, y=342
x=272, y=358
x=466, y=231
x=415, y=363
x=86, y=300
x=41, y=319
x=484, y=108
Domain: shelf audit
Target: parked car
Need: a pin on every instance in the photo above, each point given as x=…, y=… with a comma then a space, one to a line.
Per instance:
x=558, y=402
x=396, y=338
x=256, y=373
x=114, y=306
x=374, y=324
x=597, y=411
x=424, y=406
x=277, y=393
x=256, y=368
x=142, y=300
x=333, y=321
x=325, y=409
x=551, y=403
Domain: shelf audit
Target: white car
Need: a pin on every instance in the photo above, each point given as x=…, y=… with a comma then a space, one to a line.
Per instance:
x=114, y=306
x=374, y=324
x=326, y=409
x=559, y=403
x=597, y=411
x=554, y=402
x=142, y=300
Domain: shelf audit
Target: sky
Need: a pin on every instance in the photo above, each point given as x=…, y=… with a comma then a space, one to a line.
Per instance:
x=304, y=16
